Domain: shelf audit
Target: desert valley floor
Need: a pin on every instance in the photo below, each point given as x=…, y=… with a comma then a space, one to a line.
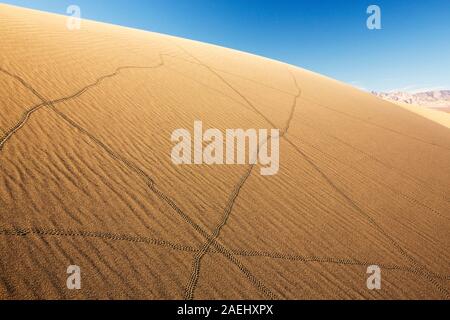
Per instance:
x=86, y=177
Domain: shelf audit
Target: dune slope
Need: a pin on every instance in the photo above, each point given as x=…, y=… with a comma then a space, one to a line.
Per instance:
x=86, y=177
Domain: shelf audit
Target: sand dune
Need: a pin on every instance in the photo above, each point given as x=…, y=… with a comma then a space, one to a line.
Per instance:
x=86, y=177
x=440, y=116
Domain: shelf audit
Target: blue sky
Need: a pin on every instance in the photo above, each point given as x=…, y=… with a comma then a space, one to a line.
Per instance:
x=411, y=52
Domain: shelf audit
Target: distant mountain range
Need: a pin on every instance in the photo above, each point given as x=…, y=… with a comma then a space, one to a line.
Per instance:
x=438, y=99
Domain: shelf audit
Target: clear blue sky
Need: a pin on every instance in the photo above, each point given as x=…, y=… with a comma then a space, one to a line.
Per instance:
x=411, y=52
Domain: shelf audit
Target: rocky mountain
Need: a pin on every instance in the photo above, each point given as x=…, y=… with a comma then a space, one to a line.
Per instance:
x=438, y=99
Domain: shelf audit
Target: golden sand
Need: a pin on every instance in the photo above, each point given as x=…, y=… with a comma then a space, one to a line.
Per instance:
x=86, y=177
